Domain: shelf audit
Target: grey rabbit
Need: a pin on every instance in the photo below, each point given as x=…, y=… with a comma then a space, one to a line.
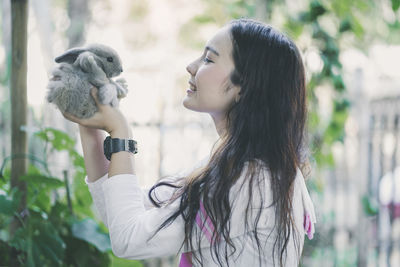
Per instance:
x=79, y=70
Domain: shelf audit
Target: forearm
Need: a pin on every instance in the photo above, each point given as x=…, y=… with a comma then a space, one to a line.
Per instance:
x=92, y=145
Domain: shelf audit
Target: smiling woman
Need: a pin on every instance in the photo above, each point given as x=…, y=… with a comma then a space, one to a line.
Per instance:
x=247, y=203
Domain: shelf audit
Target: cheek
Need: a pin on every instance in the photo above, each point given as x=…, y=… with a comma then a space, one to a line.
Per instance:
x=211, y=85
x=211, y=78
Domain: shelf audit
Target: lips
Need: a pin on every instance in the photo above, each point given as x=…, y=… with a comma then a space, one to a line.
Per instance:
x=192, y=86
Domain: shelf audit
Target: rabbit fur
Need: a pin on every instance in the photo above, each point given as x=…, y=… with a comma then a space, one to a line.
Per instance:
x=79, y=70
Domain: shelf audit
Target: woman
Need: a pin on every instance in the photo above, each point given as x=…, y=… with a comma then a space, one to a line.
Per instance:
x=246, y=204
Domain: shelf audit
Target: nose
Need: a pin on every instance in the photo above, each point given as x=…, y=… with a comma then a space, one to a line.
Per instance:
x=121, y=70
x=192, y=68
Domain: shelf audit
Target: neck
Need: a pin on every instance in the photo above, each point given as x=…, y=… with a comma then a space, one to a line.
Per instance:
x=220, y=125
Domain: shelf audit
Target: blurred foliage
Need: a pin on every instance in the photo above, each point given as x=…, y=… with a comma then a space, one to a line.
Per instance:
x=138, y=10
x=370, y=205
x=58, y=231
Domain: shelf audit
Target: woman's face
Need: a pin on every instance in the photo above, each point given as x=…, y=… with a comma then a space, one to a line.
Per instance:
x=210, y=77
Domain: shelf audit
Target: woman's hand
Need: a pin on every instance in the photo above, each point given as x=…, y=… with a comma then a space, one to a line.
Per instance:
x=106, y=118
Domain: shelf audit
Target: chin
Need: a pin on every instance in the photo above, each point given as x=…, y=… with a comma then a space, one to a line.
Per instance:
x=186, y=103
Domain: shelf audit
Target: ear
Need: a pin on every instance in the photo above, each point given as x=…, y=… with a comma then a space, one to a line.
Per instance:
x=237, y=92
x=86, y=62
x=237, y=98
x=70, y=55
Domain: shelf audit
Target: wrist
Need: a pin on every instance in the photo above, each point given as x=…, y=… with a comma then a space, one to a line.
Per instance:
x=122, y=133
x=90, y=131
x=91, y=136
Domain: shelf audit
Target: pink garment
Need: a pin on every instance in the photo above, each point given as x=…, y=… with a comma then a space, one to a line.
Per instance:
x=186, y=258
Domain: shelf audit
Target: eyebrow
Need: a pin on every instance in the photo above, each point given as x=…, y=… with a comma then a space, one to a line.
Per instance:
x=212, y=50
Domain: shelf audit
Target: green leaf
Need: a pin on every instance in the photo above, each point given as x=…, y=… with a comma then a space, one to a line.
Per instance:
x=42, y=180
x=120, y=262
x=395, y=5
x=58, y=139
x=338, y=83
x=345, y=25
x=46, y=241
x=203, y=19
x=369, y=205
x=317, y=9
x=33, y=257
x=357, y=27
x=294, y=27
x=7, y=205
x=19, y=240
x=88, y=230
x=82, y=199
x=77, y=160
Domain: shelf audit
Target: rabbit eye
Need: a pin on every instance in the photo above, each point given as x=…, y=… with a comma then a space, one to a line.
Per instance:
x=110, y=59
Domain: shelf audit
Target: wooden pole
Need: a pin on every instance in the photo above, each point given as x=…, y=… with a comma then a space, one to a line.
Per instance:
x=19, y=145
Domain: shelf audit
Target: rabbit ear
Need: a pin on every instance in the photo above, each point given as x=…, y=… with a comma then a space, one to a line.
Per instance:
x=70, y=55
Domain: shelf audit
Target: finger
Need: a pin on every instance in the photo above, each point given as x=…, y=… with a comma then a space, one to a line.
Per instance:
x=94, y=92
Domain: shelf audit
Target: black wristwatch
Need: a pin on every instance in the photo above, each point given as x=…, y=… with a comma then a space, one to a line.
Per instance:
x=113, y=145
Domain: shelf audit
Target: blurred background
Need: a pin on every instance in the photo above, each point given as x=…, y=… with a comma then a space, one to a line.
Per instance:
x=351, y=51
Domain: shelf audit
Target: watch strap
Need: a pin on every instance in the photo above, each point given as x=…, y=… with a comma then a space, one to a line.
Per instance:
x=113, y=145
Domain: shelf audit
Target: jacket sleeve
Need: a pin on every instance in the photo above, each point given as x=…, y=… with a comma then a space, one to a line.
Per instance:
x=131, y=226
x=162, y=192
x=96, y=191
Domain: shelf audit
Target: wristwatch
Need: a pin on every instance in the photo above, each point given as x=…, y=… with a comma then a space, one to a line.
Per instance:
x=113, y=145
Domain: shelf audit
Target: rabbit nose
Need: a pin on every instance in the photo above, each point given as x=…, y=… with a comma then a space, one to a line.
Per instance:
x=122, y=70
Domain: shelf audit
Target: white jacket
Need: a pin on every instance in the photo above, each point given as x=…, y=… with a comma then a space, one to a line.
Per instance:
x=131, y=218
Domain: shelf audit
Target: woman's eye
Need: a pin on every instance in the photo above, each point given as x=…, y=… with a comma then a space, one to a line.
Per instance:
x=207, y=60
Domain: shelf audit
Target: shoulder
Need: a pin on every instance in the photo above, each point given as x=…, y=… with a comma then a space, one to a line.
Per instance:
x=252, y=187
x=255, y=182
x=187, y=171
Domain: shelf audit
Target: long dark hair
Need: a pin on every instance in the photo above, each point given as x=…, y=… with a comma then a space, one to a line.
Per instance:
x=267, y=124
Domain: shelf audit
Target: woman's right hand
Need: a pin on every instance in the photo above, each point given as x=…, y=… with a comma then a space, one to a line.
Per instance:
x=106, y=118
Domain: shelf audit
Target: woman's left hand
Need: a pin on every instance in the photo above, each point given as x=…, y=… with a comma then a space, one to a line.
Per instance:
x=106, y=118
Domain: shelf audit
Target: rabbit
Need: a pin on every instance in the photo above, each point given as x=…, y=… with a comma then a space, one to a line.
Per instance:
x=79, y=70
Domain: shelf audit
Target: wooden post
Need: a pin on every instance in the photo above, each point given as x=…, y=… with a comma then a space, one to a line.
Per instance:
x=19, y=21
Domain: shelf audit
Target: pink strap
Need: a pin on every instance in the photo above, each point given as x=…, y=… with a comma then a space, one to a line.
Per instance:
x=208, y=220
x=186, y=258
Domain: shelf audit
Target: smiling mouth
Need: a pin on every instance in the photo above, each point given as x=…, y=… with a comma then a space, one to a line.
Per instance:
x=192, y=86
